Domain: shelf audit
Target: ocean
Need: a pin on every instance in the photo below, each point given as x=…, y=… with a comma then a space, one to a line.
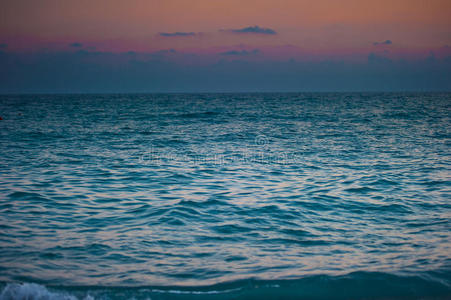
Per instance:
x=225, y=196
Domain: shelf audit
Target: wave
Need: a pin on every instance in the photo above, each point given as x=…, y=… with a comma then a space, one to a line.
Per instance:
x=357, y=285
x=33, y=291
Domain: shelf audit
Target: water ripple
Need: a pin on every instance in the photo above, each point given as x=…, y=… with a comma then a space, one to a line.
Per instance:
x=195, y=190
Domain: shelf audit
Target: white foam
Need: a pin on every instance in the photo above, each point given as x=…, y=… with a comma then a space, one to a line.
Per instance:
x=33, y=291
x=195, y=292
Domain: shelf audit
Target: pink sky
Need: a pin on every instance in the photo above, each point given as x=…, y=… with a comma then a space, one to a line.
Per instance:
x=310, y=28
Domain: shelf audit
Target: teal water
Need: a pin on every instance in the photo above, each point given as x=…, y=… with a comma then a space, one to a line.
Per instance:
x=223, y=196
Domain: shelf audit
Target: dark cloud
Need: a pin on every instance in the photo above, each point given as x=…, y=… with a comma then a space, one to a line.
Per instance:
x=176, y=34
x=3, y=46
x=240, y=53
x=163, y=52
x=254, y=30
x=431, y=58
x=386, y=42
x=378, y=59
x=170, y=71
x=76, y=45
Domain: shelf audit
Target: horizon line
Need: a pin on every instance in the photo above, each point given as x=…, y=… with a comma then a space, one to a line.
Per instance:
x=224, y=92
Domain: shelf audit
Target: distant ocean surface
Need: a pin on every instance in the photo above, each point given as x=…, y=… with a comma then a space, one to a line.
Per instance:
x=225, y=196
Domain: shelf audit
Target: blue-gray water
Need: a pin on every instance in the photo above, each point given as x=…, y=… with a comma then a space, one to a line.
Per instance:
x=225, y=196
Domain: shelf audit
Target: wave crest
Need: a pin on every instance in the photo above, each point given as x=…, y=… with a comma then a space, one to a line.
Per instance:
x=33, y=291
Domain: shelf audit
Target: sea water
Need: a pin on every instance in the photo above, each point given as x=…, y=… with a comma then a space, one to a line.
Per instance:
x=222, y=196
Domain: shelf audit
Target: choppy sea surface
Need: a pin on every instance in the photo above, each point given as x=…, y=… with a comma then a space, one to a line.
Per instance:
x=224, y=196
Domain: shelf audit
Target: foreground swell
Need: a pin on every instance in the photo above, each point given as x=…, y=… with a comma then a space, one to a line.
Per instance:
x=360, y=285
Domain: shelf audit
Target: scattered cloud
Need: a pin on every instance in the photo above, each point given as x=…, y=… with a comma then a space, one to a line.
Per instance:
x=240, y=53
x=3, y=46
x=165, y=51
x=162, y=54
x=386, y=42
x=254, y=30
x=176, y=34
x=76, y=45
x=377, y=59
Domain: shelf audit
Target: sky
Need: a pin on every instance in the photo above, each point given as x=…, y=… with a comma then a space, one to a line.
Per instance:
x=224, y=45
